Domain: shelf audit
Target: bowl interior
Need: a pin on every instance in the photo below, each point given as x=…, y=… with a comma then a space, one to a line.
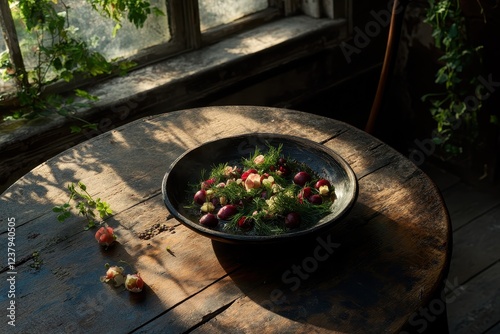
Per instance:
x=186, y=170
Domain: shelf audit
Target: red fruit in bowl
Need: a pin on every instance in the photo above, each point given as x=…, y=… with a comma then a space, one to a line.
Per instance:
x=200, y=197
x=283, y=170
x=292, y=220
x=315, y=199
x=301, y=178
x=227, y=211
x=322, y=182
x=305, y=192
x=209, y=220
x=248, y=172
x=105, y=236
x=245, y=223
x=207, y=183
x=323, y=187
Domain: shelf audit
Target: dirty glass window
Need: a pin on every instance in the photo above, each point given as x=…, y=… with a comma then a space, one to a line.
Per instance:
x=214, y=13
x=92, y=27
x=97, y=31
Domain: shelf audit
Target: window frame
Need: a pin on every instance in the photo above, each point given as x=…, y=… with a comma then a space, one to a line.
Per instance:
x=185, y=32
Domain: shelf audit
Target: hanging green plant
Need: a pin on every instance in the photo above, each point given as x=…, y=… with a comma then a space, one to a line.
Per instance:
x=60, y=55
x=455, y=108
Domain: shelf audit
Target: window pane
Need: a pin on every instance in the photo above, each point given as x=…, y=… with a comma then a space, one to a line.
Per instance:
x=2, y=44
x=217, y=12
x=93, y=27
x=89, y=26
x=8, y=85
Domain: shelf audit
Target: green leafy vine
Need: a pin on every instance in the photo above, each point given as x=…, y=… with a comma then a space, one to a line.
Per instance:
x=60, y=55
x=455, y=115
x=85, y=204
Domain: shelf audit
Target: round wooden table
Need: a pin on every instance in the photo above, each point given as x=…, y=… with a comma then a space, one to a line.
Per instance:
x=379, y=270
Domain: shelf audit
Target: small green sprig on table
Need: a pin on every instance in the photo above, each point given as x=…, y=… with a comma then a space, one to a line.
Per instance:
x=84, y=203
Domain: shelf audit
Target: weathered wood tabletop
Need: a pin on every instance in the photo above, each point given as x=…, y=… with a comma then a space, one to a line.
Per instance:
x=370, y=274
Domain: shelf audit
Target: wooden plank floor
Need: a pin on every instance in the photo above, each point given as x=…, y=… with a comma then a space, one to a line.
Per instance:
x=473, y=294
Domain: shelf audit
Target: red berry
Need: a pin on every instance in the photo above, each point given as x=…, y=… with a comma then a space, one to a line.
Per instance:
x=292, y=220
x=304, y=193
x=209, y=220
x=227, y=211
x=105, y=236
x=200, y=197
x=284, y=170
x=301, y=178
x=245, y=223
x=207, y=183
x=248, y=172
x=322, y=182
x=315, y=199
x=114, y=275
x=134, y=283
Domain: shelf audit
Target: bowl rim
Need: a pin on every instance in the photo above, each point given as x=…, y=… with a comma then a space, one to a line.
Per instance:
x=253, y=239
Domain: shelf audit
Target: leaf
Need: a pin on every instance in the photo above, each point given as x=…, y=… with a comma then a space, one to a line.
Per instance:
x=57, y=209
x=453, y=32
x=75, y=129
x=92, y=126
x=91, y=224
x=81, y=207
x=115, y=29
x=62, y=217
x=67, y=76
x=57, y=64
x=86, y=95
x=69, y=64
x=82, y=186
x=158, y=12
x=104, y=209
x=442, y=77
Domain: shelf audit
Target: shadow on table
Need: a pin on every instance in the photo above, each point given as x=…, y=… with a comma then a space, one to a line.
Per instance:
x=65, y=294
x=355, y=276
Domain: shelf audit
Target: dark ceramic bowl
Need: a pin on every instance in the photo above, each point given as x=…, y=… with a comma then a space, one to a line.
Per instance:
x=186, y=170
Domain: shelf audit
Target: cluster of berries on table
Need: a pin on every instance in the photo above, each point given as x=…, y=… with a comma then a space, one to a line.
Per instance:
x=266, y=194
x=116, y=276
x=105, y=236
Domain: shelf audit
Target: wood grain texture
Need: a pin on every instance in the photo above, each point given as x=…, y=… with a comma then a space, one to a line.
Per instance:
x=477, y=201
x=370, y=273
x=476, y=246
x=482, y=297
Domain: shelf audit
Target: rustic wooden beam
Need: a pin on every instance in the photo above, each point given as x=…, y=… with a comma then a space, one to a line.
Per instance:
x=191, y=15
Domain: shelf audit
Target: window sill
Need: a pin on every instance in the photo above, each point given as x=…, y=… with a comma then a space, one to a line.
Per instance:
x=176, y=83
x=193, y=75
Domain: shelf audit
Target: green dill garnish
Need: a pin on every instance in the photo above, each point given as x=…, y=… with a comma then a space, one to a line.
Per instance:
x=264, y=200
x=218, y=172
x=270, y=158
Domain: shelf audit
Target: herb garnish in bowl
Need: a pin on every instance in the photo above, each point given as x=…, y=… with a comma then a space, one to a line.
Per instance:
x=265, y=194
